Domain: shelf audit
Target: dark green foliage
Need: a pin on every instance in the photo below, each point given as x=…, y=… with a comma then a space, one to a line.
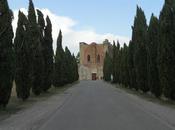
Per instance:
x=118, y=65
x=48, y=56
x=37, y=71
x=41, y=51
x=107, y=71
x=60, y=64
x=6, y=53
x=166, y=55
x=148, y=63
x=152, y=49
x=41, y=22
x=118, y=61
x=131, y=68
x=47, y=50
x=30, y=62
x=124, y=71
x=69, y=66
x=35, y=51
x=21, y=57
x=115, y=63
x=31, y=13
x=72, y=67
x=65, y=66
x=140, y=52
x=75, y=69
x=121, y=66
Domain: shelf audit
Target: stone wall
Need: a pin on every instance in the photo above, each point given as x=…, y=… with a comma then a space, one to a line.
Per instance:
x=91, y=60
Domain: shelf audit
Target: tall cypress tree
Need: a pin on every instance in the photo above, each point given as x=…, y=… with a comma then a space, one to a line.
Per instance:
x=35, y=49
x=121, y=66
x=69, y=66
x=166, y=59
x=47, y=50
x=59, y=65
x=21, y=57
x=140, y=55
x=114, y=63
x=41, y=26
x=107, y=67
x=126, y=77
x=48, y=55
x=75, y=69
x=72, y=67
x=106, y=77
x=118, y=62
x=41, y=22
x=152, y=49
x=132, y=74
x=6, y=52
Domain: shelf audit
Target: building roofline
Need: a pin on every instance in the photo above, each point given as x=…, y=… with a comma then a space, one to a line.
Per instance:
x=92, y=43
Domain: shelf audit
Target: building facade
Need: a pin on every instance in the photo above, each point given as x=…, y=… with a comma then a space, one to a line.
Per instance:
x=92, y=60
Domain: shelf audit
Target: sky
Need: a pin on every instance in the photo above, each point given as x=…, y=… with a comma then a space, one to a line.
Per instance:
x=90, y=20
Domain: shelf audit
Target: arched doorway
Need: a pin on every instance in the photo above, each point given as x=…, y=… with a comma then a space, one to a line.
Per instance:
x=94, y=76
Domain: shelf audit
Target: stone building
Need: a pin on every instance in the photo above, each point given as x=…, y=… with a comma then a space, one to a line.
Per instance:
x=92, y=59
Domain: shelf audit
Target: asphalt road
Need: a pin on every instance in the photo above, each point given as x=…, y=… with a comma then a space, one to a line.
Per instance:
x=96, y=105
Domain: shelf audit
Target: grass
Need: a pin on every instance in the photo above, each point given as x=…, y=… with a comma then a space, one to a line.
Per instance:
x=15, y=105
x=149, y=97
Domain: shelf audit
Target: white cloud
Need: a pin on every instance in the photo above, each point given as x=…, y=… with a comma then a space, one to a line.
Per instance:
x=71, y=38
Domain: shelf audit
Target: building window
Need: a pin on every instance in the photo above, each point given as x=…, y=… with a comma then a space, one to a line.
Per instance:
x=88, y=58
x=98, y=59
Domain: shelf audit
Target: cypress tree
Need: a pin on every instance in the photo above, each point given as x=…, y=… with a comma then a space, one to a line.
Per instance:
x=48, y=55
x=114, y=63
x=126, y=77
x=131, y=68
x=6, y=52
x=152, y=49
x=166, y=59
x=75, y=69
x=140, y=53
x=31, y=14
x=41, y=22
x=72, y=67
x=47, y=50
x=121, y=66
x=69, y=66
x=118, y=62
x=59, y=65
x=35, y=50
x=107, y=67
x=21, y=57
x=41, y=27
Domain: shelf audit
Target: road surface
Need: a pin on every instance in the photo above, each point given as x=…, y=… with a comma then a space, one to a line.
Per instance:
x=93, y=105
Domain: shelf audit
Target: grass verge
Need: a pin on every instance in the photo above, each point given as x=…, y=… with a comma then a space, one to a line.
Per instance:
x=148, y=96
x=15, y=105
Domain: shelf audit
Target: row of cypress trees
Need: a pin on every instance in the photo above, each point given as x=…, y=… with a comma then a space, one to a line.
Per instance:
x=148, y=63
x=30, y=60
x=65, y=67
x=6, y=52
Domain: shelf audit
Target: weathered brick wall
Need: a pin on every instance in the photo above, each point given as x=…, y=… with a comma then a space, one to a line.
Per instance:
x=95, y=65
